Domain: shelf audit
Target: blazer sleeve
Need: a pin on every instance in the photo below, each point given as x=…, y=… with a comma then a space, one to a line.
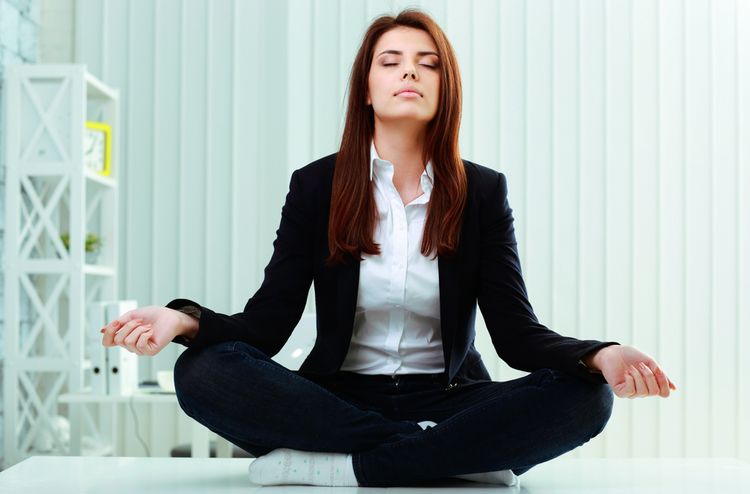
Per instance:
x=518, y=337
x=271, y=314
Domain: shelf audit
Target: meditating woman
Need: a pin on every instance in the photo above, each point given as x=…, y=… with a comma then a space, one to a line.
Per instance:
x=402, y=239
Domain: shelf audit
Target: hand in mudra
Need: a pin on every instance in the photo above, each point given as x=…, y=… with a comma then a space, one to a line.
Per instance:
x=632, y=373
x=145, y=330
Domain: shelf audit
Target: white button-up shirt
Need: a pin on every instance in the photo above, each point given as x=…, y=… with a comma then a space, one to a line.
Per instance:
x=397, y=320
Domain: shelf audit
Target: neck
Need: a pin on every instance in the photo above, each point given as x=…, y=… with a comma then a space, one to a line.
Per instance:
x=401, y=144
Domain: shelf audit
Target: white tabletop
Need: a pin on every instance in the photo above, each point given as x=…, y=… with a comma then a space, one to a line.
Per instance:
x=119, y=475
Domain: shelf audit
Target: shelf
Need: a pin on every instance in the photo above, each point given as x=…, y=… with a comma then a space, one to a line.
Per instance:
x=42, y=364
x=98, y=270
x=99, y=179
x=52, y=168
x=98, y=450
x=136, y=397
x=66, y=290
x=48, y=266
x=96, y=89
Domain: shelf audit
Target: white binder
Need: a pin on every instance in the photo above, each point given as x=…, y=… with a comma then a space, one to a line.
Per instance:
x=96, y=318
x=122, y=365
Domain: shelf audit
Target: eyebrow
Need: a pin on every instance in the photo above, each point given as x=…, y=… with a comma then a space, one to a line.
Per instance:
x=420, y=53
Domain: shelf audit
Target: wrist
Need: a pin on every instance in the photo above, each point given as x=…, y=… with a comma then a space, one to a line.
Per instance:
x=188, y=326
x=594, y=360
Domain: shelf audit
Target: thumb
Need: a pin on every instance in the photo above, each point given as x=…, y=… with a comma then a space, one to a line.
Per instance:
x=624, y=389
x=619, y=390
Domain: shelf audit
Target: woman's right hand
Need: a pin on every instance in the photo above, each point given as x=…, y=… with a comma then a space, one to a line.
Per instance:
x=145, y=330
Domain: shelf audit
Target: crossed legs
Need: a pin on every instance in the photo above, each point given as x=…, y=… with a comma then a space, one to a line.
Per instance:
x=241, y=394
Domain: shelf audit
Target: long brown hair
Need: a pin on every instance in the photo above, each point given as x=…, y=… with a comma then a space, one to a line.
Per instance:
x=353, y=213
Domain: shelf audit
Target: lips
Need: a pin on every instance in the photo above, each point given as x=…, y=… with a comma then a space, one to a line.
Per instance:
x=408, y=89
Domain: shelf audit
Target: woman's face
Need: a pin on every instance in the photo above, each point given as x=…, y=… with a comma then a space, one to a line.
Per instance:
x=404, y=57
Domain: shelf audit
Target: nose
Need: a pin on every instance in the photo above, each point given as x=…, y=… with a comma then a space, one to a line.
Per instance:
x=412, y=72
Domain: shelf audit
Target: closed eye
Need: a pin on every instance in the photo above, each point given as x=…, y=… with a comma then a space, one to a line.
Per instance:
x=422, y=64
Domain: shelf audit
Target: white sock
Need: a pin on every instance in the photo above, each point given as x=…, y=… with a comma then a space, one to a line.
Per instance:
x=290, y=466
x=503, y=477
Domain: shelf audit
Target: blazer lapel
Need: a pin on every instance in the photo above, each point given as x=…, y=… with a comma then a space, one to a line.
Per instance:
x=348, y=286
x=449, y=280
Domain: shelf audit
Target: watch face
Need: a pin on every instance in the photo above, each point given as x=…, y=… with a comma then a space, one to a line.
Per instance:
x=94, y=150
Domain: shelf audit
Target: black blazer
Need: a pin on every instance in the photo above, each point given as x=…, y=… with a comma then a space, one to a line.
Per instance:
x=486, y=270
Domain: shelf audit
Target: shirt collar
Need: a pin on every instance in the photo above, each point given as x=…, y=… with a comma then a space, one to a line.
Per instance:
x=427, y=175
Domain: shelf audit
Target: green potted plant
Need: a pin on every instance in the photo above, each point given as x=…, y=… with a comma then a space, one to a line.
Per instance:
x=93, y=242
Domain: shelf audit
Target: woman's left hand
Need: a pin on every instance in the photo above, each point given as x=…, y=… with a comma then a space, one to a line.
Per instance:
x=630, y=372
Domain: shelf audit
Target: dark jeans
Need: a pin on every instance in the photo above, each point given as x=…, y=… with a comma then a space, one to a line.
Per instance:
x=238, y=392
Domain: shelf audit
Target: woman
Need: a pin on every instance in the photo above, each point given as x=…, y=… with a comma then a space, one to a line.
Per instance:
x=402, y=239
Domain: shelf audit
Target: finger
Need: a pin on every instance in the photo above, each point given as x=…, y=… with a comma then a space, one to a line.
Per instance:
x=124, y=331
x=640, y=386
x=629, y=386
x=672, y=385
x=109, y=332
x=113, y=327
x=142, y=345
x=650, y=380
x=130, y=341
x=624, y=389
x=661, y=378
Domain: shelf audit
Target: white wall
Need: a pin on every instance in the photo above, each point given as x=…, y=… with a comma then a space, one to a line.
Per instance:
x=622, y=126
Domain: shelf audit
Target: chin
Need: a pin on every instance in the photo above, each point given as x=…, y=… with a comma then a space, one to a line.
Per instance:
x=412, y=116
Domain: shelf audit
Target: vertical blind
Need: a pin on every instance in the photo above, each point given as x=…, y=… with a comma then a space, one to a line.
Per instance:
x=623, y=128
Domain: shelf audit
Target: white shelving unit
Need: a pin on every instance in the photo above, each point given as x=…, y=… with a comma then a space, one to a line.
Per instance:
x=49, y=192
